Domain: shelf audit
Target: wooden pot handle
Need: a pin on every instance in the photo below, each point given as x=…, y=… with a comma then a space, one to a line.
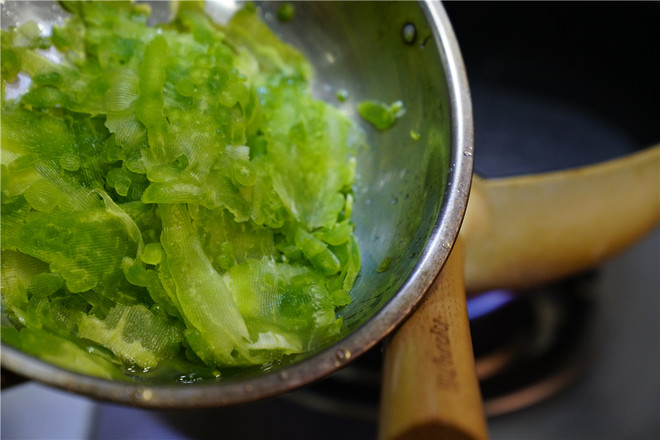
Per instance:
x=524, y=231
x=430, y=388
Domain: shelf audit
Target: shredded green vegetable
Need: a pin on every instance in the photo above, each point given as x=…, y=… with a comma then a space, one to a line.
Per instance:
x=175, y=202
x=380, y=114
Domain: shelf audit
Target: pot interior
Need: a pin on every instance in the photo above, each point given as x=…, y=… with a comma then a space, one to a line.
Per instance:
x=359, y=47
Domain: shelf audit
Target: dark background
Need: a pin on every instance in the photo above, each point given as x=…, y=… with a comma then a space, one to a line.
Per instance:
x=559, y=84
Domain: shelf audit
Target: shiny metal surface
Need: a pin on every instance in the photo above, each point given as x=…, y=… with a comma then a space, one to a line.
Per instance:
x=410, y=194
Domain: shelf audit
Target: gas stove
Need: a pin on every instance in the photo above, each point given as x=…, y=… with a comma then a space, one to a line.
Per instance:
x=554, y=86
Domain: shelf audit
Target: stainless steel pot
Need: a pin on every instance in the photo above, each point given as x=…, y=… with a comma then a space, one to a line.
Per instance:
x=410, y=194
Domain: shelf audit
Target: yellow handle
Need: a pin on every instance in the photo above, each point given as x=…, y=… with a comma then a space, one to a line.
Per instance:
x=430, y=388
x=524, y=231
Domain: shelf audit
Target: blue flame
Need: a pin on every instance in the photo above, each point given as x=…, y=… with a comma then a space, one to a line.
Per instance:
x=487, y=302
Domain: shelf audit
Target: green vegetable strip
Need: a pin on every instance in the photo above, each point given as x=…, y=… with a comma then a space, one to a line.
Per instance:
x=65, y=354
x=206, y=303
x=134, y=334
x=149, y=105
x=174, y=200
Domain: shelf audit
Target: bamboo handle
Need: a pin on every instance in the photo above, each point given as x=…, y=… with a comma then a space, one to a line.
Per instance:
x=524, y=231
x=430, y=388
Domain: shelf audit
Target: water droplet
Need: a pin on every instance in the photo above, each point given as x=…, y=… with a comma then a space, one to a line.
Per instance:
x=342, y=355
x=283, y=375
x=409, y=33
x=446, y=244
x=467, y=153
x=142, y=394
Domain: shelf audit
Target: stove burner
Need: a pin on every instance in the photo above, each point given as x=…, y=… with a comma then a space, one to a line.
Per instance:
x=528, y=347
x=534, y=346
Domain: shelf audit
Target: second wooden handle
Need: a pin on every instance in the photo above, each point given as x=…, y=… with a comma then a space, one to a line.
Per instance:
x=524, y=231
x=430, y=388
